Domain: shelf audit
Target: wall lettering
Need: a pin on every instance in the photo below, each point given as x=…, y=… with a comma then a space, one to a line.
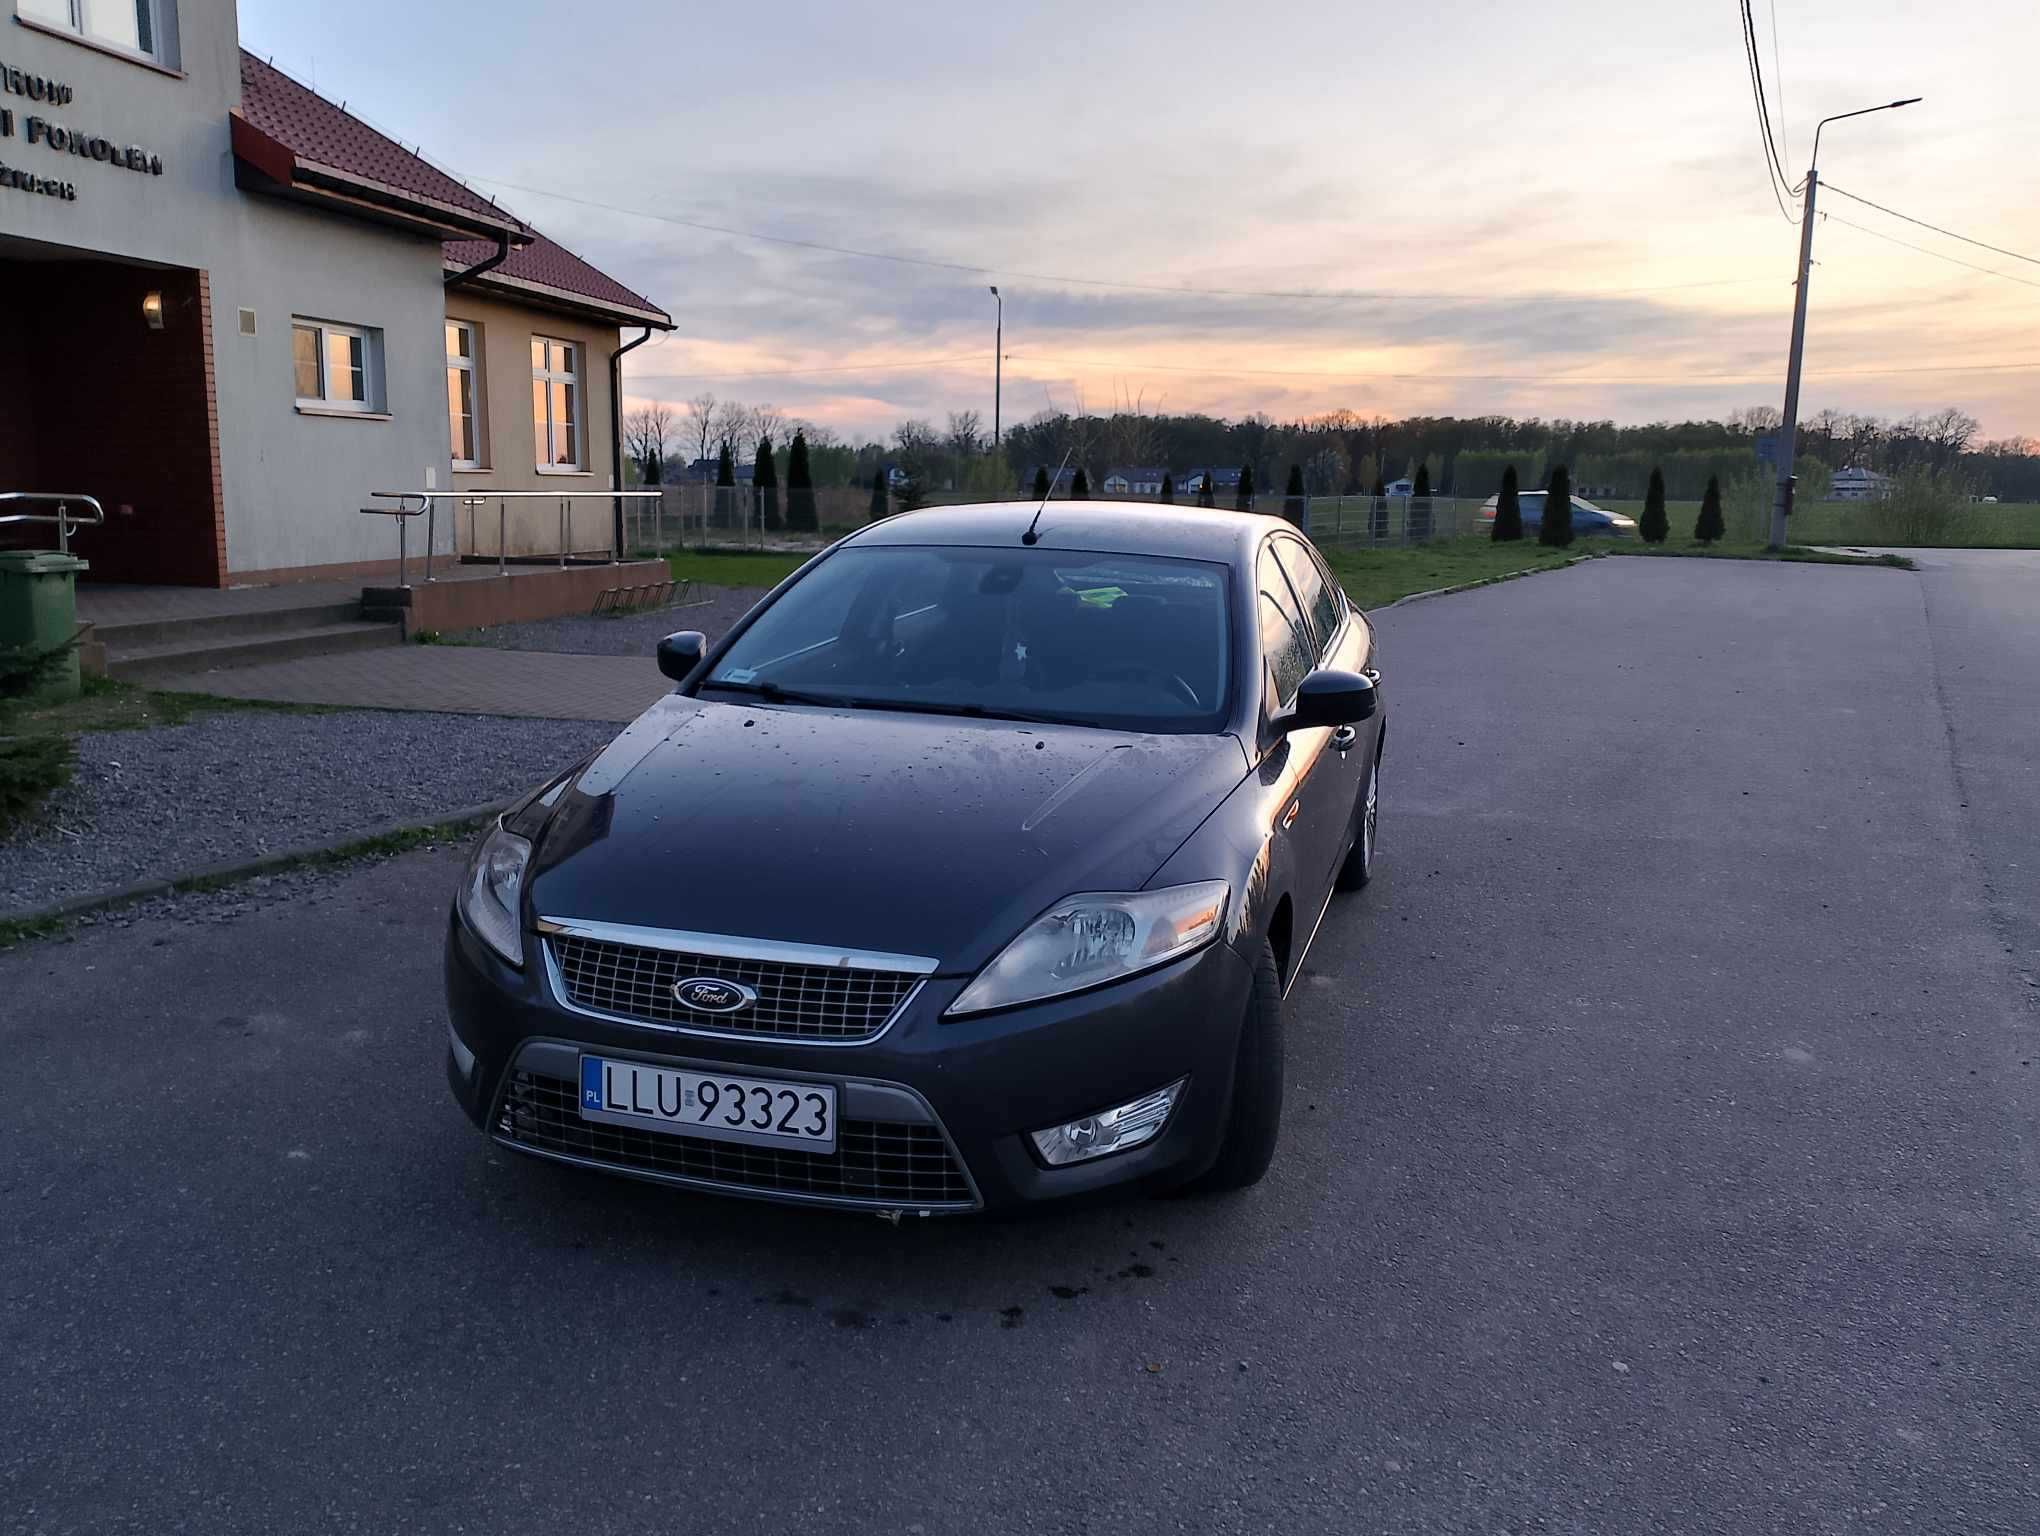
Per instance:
x=60, y=139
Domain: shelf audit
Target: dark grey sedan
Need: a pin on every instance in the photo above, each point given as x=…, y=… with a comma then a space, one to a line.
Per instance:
x=972, y=867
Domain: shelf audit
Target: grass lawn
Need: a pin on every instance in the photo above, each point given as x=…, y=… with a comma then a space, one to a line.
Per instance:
x=1374, y=577
x=734, y=567
x=2009, y=525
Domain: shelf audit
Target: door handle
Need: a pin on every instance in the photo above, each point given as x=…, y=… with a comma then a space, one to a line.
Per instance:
x=1343, y=738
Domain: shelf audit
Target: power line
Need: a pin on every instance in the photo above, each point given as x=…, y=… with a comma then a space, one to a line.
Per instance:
x=1878, y=234
x=1937, y=229
x=1774, y=170
x=2019, y=366
x=789, y=373
x=1337, y=295
x=1778, y=74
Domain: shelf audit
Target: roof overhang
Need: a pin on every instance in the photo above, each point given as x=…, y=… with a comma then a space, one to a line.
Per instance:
x=268, y=165
x=522, y=290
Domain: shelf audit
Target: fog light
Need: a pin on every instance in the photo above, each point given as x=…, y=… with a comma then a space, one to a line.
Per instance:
x=1113, y=1130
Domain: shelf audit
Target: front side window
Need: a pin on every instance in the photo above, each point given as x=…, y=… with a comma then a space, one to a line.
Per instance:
x=1314, y=595
x=1285, y=637
x=336, y=366
x=463, y=415
x=1126, y=642
x=129, y=24
x=556, y=402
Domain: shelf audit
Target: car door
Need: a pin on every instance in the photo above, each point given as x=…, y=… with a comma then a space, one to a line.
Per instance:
x=1349, y=753
x=1300, y=767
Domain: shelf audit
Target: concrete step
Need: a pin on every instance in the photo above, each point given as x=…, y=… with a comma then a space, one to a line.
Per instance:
x=129, y=638
x=147, y=663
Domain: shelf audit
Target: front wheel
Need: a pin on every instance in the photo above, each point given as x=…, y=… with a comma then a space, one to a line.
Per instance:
x=1359, y=866
x=1254, y=1122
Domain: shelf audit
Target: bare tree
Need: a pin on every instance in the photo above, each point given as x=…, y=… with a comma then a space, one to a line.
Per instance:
x=966, y=433
x=733, y=425
x=701, y=423
x=1753, y=420
x=769, y=420
x=1946, y=433
x=646, y=432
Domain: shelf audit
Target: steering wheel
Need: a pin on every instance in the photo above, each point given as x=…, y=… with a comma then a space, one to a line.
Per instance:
x=1169, y=681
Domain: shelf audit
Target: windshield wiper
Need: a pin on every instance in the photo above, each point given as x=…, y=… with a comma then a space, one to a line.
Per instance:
x=774, y=694
x=966, y=711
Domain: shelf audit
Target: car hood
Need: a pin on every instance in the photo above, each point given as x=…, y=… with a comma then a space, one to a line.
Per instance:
x=907, y=834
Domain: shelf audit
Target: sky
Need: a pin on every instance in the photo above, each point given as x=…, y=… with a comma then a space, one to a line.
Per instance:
x=1557, y=210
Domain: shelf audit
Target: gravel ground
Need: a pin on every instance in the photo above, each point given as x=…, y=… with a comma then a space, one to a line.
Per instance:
x=155, y=803
x=708, y=609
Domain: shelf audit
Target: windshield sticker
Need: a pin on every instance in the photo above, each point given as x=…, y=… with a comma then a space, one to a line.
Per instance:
x=739, y=675
x=1102, y=597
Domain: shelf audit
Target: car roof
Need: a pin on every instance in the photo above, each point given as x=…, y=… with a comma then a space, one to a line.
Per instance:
x=1104, y=527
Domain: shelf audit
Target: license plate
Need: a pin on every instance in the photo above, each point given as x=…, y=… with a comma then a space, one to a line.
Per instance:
x=761, y=1112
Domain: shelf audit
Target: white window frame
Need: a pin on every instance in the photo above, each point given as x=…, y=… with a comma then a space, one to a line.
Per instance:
x=456, y=363
x=80, y=21
x=547, y=375
x=371, y=367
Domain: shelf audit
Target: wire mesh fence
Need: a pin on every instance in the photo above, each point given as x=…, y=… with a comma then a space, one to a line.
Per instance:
x=702, y=516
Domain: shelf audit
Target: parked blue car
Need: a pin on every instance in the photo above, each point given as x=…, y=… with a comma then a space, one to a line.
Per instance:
x=1587, y=519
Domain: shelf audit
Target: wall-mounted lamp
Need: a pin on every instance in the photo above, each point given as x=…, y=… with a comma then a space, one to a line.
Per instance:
x=152, y=309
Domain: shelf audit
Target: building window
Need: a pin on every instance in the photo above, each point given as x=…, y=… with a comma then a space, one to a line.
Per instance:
x=133, y=25
x=556, y=403
x=338, y=367
x=463, y=393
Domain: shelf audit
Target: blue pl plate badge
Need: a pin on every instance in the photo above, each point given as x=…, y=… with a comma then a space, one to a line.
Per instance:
x=591, y=1082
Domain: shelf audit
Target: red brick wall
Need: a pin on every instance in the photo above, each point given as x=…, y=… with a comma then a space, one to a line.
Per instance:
x=95, y=401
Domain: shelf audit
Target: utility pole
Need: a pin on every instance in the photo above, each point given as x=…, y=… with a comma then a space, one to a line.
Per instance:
x=998, y=361
x=1788, y=432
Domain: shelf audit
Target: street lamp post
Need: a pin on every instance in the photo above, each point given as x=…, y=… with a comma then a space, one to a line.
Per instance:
x=998, y=360
x=1788, y=431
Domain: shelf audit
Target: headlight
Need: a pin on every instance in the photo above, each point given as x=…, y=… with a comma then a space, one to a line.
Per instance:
x=490, y=896
x=1084, y=940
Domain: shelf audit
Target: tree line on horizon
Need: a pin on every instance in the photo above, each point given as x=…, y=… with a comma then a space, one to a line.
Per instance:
x=1344, y=453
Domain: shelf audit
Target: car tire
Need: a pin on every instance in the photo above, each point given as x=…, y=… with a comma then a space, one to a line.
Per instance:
x=1253, y=1124
x=1359, y=866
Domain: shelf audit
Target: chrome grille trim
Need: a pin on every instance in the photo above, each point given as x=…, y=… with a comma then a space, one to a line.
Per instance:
x=731, y=947
x=802, y=1001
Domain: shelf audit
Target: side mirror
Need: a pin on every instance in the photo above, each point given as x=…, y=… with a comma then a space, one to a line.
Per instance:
x=1329, y=698
x=680, y=654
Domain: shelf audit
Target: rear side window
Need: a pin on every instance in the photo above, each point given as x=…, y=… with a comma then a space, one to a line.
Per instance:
x=1314, y=594
x=1285, y=639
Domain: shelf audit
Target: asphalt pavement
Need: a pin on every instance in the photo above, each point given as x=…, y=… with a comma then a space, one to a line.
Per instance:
x=1660, y=1156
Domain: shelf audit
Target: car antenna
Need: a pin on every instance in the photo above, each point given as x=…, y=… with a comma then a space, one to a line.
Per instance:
x=1030, y=537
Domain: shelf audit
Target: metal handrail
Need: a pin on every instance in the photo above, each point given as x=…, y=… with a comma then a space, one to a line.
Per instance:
x=63, y=519
x=428, y=503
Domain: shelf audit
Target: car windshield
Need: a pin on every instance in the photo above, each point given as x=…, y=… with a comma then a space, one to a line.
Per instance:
x=1132, y=642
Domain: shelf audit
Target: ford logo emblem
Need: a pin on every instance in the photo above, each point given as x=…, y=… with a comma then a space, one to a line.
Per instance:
x=711, y=994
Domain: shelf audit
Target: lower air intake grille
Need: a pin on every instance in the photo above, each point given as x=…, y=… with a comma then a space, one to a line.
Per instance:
x=795, y=1002
x=882, y=1162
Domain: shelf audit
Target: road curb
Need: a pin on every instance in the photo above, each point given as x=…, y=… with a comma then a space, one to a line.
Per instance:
x=1487, y=581
x=358, y=843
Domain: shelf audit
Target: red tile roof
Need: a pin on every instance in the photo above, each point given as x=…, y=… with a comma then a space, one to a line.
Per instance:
x=304, y=129
x=317, y=132
x=546, y=264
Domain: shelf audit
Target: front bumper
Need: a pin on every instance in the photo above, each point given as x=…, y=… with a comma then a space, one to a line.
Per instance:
x=936, y=1113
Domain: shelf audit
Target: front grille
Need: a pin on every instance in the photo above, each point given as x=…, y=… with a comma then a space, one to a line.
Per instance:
x=795, y=1002
x=890, y=1162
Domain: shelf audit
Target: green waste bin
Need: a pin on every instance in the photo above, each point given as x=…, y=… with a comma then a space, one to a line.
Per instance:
x=39, y=609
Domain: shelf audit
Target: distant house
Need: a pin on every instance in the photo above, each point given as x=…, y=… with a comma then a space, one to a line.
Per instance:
x=1059, y=479
x=1135, y=480
x=702, y=471
x=1853, y=484
x=1401, y=487
x=1221, y=480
